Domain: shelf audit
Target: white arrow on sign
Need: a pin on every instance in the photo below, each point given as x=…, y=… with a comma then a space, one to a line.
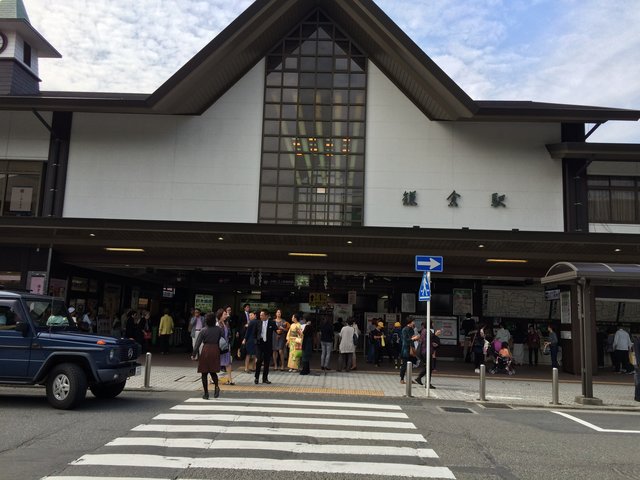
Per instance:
x=432, y=263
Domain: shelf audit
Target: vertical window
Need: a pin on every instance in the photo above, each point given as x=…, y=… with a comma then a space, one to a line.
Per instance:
x=19, y=188
x=26, y=54
x=614, y=199
x=314, y=131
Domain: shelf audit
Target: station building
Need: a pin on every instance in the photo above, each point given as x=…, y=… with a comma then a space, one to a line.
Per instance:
x=302, y=159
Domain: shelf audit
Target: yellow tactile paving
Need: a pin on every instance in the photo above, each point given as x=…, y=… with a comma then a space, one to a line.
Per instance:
x=292, y=389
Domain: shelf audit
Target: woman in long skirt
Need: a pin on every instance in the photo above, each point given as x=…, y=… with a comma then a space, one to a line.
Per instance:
x=279, y=340
x=294, y=339
x=209, y=358
x=225, y=358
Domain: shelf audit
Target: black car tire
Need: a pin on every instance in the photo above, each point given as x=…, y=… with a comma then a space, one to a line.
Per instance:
x=110, y=390
x=66, y=386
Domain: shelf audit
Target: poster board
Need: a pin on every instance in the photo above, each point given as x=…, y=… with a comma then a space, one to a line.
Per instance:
x=203, y=302
x=515, y=302
x=449, y=327
x=565, y=307
x=21, y=199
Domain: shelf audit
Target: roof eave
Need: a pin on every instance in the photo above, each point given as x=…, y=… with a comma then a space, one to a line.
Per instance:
x=612, y=152
x=495, y=111
x=37, y=41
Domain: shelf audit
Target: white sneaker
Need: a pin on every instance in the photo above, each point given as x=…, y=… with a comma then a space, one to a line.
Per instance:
x=477, y=370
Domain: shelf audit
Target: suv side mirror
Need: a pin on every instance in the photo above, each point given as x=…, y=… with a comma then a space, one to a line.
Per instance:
x=23, y=327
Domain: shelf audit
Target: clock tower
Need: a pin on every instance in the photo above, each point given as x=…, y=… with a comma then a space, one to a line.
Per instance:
x=20, y=48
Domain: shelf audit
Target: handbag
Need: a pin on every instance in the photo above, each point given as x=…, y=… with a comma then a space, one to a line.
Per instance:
x=412, y=351
x=223, y=345
x=355, y=339
x=546, y=350
x=146, y=334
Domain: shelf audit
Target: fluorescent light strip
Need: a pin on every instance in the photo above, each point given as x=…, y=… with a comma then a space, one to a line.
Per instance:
x=505, y=260
x=117, y=249
x=300, y=254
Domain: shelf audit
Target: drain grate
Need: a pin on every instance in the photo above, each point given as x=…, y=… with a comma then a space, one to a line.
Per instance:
x=456, y=410
x=497, y=405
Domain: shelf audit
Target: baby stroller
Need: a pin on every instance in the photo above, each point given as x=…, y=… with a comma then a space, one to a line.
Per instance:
x=503, y=364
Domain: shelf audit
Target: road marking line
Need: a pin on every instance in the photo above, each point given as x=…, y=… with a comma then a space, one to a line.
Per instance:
x=265, y=464
x=270, y=419
x=289, y=410
x=292, y=447
x=84, y=477
x=305, y=403
x=295, y=432
x=592, y=426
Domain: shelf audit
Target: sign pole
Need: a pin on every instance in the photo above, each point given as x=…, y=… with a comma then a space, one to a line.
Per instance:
x=428, y=337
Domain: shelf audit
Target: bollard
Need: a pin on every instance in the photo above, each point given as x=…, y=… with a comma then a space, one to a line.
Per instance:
x=147, y=370
x=409, y=378
x=483, y=383
x=555, y=387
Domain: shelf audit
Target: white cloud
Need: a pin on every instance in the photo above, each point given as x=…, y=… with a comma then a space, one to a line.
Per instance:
x=564, y=51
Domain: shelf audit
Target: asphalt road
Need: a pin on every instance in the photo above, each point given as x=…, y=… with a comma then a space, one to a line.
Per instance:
x=472, y=442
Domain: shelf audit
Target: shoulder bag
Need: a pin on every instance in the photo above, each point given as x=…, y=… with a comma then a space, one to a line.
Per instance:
x=223, y=345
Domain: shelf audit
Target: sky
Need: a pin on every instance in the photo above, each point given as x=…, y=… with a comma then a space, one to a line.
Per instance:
x=584, y=52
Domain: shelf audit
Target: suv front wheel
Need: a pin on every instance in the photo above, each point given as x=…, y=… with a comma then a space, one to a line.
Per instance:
x=66, y=386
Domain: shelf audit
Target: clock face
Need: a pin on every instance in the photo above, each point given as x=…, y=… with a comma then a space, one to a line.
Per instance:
x=3, y=42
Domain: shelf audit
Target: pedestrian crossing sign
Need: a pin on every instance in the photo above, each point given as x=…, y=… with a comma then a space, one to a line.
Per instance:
x=424, y=294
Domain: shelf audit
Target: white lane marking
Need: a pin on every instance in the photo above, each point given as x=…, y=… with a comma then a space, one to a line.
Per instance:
x=290, y=411
x=300, y=403
x=592, y=426
x=294, y=432
x=291, y=447
x=265, y=464
x=205, y=417
x=84, y=477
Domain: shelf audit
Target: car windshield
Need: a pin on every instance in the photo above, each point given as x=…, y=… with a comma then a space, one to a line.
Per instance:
x=49, y=313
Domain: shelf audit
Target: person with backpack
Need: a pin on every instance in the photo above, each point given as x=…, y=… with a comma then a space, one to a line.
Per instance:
x=408, y=352
x=396, y=344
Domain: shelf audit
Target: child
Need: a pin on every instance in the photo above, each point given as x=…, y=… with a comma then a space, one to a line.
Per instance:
x=504, y=351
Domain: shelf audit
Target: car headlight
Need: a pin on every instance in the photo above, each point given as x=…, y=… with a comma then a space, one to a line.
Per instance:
x=113, y=355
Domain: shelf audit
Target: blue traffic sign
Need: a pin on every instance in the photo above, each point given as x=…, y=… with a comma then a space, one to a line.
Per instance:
x=429, y=263
x=424, y=294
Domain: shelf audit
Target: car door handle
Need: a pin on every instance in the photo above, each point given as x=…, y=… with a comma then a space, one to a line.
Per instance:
x=36, y=345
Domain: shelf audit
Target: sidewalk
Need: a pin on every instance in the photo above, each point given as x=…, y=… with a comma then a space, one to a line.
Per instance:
x=454, y=381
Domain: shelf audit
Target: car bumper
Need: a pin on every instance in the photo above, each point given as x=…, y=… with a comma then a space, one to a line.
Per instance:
x=119, y=374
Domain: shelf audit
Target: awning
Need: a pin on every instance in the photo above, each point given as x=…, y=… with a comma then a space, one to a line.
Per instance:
x=609, y=273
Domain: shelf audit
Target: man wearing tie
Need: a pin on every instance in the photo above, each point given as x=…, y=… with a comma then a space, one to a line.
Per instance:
x=246, y=310
x=264, y=345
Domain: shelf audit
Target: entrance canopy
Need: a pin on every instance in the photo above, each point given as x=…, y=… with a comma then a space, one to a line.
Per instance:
x=597, y=273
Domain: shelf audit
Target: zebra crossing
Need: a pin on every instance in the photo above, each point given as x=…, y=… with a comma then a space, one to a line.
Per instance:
x=266, y=435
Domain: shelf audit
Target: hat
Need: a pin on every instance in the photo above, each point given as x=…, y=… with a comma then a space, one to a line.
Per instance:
x=381, y=325
x=397, y=324
x=71, y=309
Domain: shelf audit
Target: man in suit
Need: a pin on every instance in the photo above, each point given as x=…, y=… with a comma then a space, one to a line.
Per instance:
x=264, y=345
